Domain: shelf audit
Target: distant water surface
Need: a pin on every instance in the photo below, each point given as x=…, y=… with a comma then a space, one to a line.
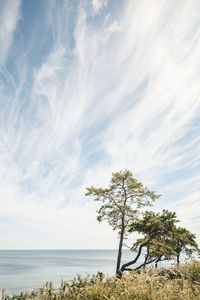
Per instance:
x=25, y=270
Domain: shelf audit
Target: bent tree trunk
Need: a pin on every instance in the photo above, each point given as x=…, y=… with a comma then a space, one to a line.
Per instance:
x=178, y=259
x=125, y=267
x=119, y=256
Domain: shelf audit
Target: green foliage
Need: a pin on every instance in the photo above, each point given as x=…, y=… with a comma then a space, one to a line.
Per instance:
x=142, y=285
x=158, y=230
x=122, y=199
x=184, y=240
x=121, y=202
x=154, y=224
x=162, y=239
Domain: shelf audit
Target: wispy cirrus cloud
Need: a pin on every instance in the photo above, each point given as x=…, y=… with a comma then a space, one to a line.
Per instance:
x=120, y=91
x=97, y=5
x=9, y=17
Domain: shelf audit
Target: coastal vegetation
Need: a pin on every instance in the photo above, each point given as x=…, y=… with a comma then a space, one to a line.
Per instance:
x=161, y=239
x=121, y=202
x=179, y=283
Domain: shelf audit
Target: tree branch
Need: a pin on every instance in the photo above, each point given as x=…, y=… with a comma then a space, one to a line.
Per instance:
x=144, y=264
x=112, y=198
x=124, y=266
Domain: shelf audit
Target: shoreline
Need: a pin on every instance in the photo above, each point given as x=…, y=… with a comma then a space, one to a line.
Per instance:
x=176, y=282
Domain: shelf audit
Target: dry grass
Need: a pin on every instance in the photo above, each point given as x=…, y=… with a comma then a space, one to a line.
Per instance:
x=180, y=283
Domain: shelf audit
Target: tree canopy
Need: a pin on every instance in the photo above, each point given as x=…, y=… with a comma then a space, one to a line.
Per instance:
x=162, y=239
x=184, y=241
x=121, y=202
x=120, y=206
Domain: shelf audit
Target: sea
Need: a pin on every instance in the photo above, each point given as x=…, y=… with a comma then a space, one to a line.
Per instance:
x=27, y=270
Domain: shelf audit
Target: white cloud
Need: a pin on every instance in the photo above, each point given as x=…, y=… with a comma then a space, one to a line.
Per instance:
x=9, y=17
x=114, y=27
x=97, y=5
x=122, y=96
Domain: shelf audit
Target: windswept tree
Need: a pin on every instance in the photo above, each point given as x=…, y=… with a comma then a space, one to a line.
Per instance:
x=156, y=244
x=121, y=202
x=162, y=239
x=184, y=242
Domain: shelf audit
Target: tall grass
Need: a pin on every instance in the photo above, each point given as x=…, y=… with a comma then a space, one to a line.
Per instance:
x=179, y=283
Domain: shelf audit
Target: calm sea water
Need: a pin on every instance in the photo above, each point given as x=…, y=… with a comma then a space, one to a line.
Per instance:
x=25, y=270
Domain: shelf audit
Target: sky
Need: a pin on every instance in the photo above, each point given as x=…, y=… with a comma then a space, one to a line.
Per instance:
x=88, y=88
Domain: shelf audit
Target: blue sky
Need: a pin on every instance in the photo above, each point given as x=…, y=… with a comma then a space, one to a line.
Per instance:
x=88, y=88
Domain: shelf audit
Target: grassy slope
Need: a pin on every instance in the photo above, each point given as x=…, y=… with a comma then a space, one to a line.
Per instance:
x=180, y=283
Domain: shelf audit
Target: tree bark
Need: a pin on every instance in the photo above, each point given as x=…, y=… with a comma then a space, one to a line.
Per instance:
x=178, y=259
x=146, y=258
x=124, y=267
x=144, y=264
x=118, y=273
x=157, y=261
